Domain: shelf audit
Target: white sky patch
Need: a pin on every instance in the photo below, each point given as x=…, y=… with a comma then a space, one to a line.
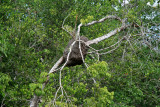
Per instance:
x=154, y=5
x=124, y=2
x=115, y=7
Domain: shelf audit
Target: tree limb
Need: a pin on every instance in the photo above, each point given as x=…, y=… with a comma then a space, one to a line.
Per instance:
x=34, y=100
x=58, y=63
x=107, y=35
x=103, y=19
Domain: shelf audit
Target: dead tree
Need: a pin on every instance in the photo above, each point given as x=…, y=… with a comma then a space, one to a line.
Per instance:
x=76, y=49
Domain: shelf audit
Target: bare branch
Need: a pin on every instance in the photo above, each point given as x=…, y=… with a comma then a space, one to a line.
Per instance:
x=60, y=82
x=103, y=19
x=107, y=47
x=58, y=63
x=107, y=35
x=34, y=101
x=110, y=50
x=82, y=53
x=78, y=31
x=95, y=51
x=99, y=21
x=64, y=27
x=2, y=103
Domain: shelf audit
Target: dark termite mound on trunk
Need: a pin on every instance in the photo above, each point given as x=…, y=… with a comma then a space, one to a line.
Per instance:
x=75, y=57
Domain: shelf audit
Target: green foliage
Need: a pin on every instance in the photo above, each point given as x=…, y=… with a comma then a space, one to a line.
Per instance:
x=32, y=40
x=102, y=98
x=98, y=70
x=81, y=86
x=134, y=84
x=4, y=83
x=87, y=20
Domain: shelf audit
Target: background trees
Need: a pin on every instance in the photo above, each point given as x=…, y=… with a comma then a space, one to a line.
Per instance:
x=32, y=40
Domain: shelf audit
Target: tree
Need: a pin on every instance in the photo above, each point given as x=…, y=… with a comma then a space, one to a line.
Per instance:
x=124, y=26
x=35, y=34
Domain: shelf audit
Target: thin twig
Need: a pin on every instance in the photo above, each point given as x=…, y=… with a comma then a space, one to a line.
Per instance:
x=107, y=47
x=110, y=50
x=64, y=28
x=60, y=81
x=82, y=53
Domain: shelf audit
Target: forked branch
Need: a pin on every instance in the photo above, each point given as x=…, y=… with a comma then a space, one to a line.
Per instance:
x=34, y=100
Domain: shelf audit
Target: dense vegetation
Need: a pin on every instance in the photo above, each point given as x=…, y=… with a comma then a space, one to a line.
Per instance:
x=32, y=40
